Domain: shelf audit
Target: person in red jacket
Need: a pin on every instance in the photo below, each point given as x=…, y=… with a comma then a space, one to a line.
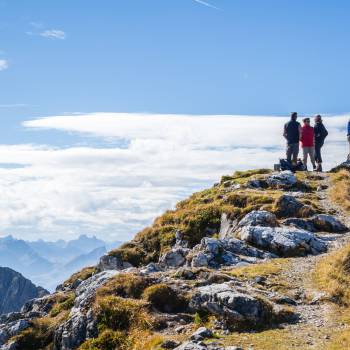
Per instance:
x=308, y=142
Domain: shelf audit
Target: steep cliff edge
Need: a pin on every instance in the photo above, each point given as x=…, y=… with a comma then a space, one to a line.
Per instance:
x=260, y=261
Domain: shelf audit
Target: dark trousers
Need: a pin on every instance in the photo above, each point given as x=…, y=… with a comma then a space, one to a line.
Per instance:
x=292, y=152
x=318, y=157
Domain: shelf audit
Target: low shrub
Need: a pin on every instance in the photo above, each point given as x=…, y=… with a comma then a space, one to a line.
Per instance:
x=64, y=303
x=125, y=285
x=119, y=314
x=165, y=299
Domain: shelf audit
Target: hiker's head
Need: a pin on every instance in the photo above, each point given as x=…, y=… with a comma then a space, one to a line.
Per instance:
x=294, y=116
x=306, y=121
x=318, y=118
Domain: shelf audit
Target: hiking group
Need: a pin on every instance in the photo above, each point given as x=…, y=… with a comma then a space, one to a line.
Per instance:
x=311, y=139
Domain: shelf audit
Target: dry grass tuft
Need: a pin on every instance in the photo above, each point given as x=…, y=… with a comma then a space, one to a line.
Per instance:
x=340, y=189
x=332, y=274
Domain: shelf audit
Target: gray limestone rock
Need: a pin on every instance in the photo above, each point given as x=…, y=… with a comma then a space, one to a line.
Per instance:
x=283, y=241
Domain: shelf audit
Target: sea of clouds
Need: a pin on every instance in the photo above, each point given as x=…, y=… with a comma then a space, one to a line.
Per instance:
x=141, y=165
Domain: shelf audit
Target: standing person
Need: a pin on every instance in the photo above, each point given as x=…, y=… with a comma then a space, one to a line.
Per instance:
x=320, y=135
x=349, y=139
x=292, y=135
x=308, y=143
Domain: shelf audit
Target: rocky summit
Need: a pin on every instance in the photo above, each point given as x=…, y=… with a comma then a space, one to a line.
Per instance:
x=258, y=261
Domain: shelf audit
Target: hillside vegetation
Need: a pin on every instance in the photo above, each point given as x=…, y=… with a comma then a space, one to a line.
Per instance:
x=260, y=260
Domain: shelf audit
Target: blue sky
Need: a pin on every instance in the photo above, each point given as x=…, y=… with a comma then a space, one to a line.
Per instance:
x=175, y=56
x=93, y=166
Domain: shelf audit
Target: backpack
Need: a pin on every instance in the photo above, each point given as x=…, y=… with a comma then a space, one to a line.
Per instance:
x=285, y=165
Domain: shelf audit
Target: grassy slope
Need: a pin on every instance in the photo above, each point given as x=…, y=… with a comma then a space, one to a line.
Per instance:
x=200, y=216
x=125, y=304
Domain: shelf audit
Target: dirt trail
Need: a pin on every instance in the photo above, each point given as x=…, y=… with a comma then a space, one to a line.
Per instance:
x=317, y=322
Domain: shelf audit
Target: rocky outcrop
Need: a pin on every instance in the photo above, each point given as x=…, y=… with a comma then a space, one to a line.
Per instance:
x=15, y=290
x=283, y=241
x=81, y=323
x=13, y=323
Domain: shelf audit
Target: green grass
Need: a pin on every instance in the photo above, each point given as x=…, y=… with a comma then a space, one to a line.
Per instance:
x=196, y=217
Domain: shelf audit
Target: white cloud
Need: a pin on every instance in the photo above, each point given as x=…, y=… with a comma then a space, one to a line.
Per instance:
x=53, y=34
x=205, y=3
x=143, y=165
x=3, y=64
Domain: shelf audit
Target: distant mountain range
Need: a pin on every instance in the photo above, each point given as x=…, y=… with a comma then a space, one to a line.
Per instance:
x=15, y=290
x=50, y=263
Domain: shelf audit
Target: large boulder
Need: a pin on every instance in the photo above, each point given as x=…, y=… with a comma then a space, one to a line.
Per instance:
x=283, y=241
x=328, y=223
x=238, y=310
x=259, y=218
x=289, y=206
x=283, y=180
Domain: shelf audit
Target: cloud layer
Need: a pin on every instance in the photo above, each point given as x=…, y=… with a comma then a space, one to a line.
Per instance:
x=142, y=165
x=3, y=64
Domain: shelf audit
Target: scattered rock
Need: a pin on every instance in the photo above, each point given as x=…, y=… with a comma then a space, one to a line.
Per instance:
x=174, y=258
x=112, y=262
x=200, y=260
x=283, y=180
x=289, y=206
x=201, y=334
x=328, y=223
x=150, y=268
x=191, y=346
x=170, y=344
x=257, y=184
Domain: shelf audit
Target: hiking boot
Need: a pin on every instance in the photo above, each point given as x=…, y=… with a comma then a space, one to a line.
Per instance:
x=319, y=167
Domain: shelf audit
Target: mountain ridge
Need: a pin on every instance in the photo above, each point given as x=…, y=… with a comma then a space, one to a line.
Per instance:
x=15, y=290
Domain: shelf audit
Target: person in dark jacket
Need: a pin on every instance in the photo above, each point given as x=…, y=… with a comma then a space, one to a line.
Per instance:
x=292, y=135
x=320, y=135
